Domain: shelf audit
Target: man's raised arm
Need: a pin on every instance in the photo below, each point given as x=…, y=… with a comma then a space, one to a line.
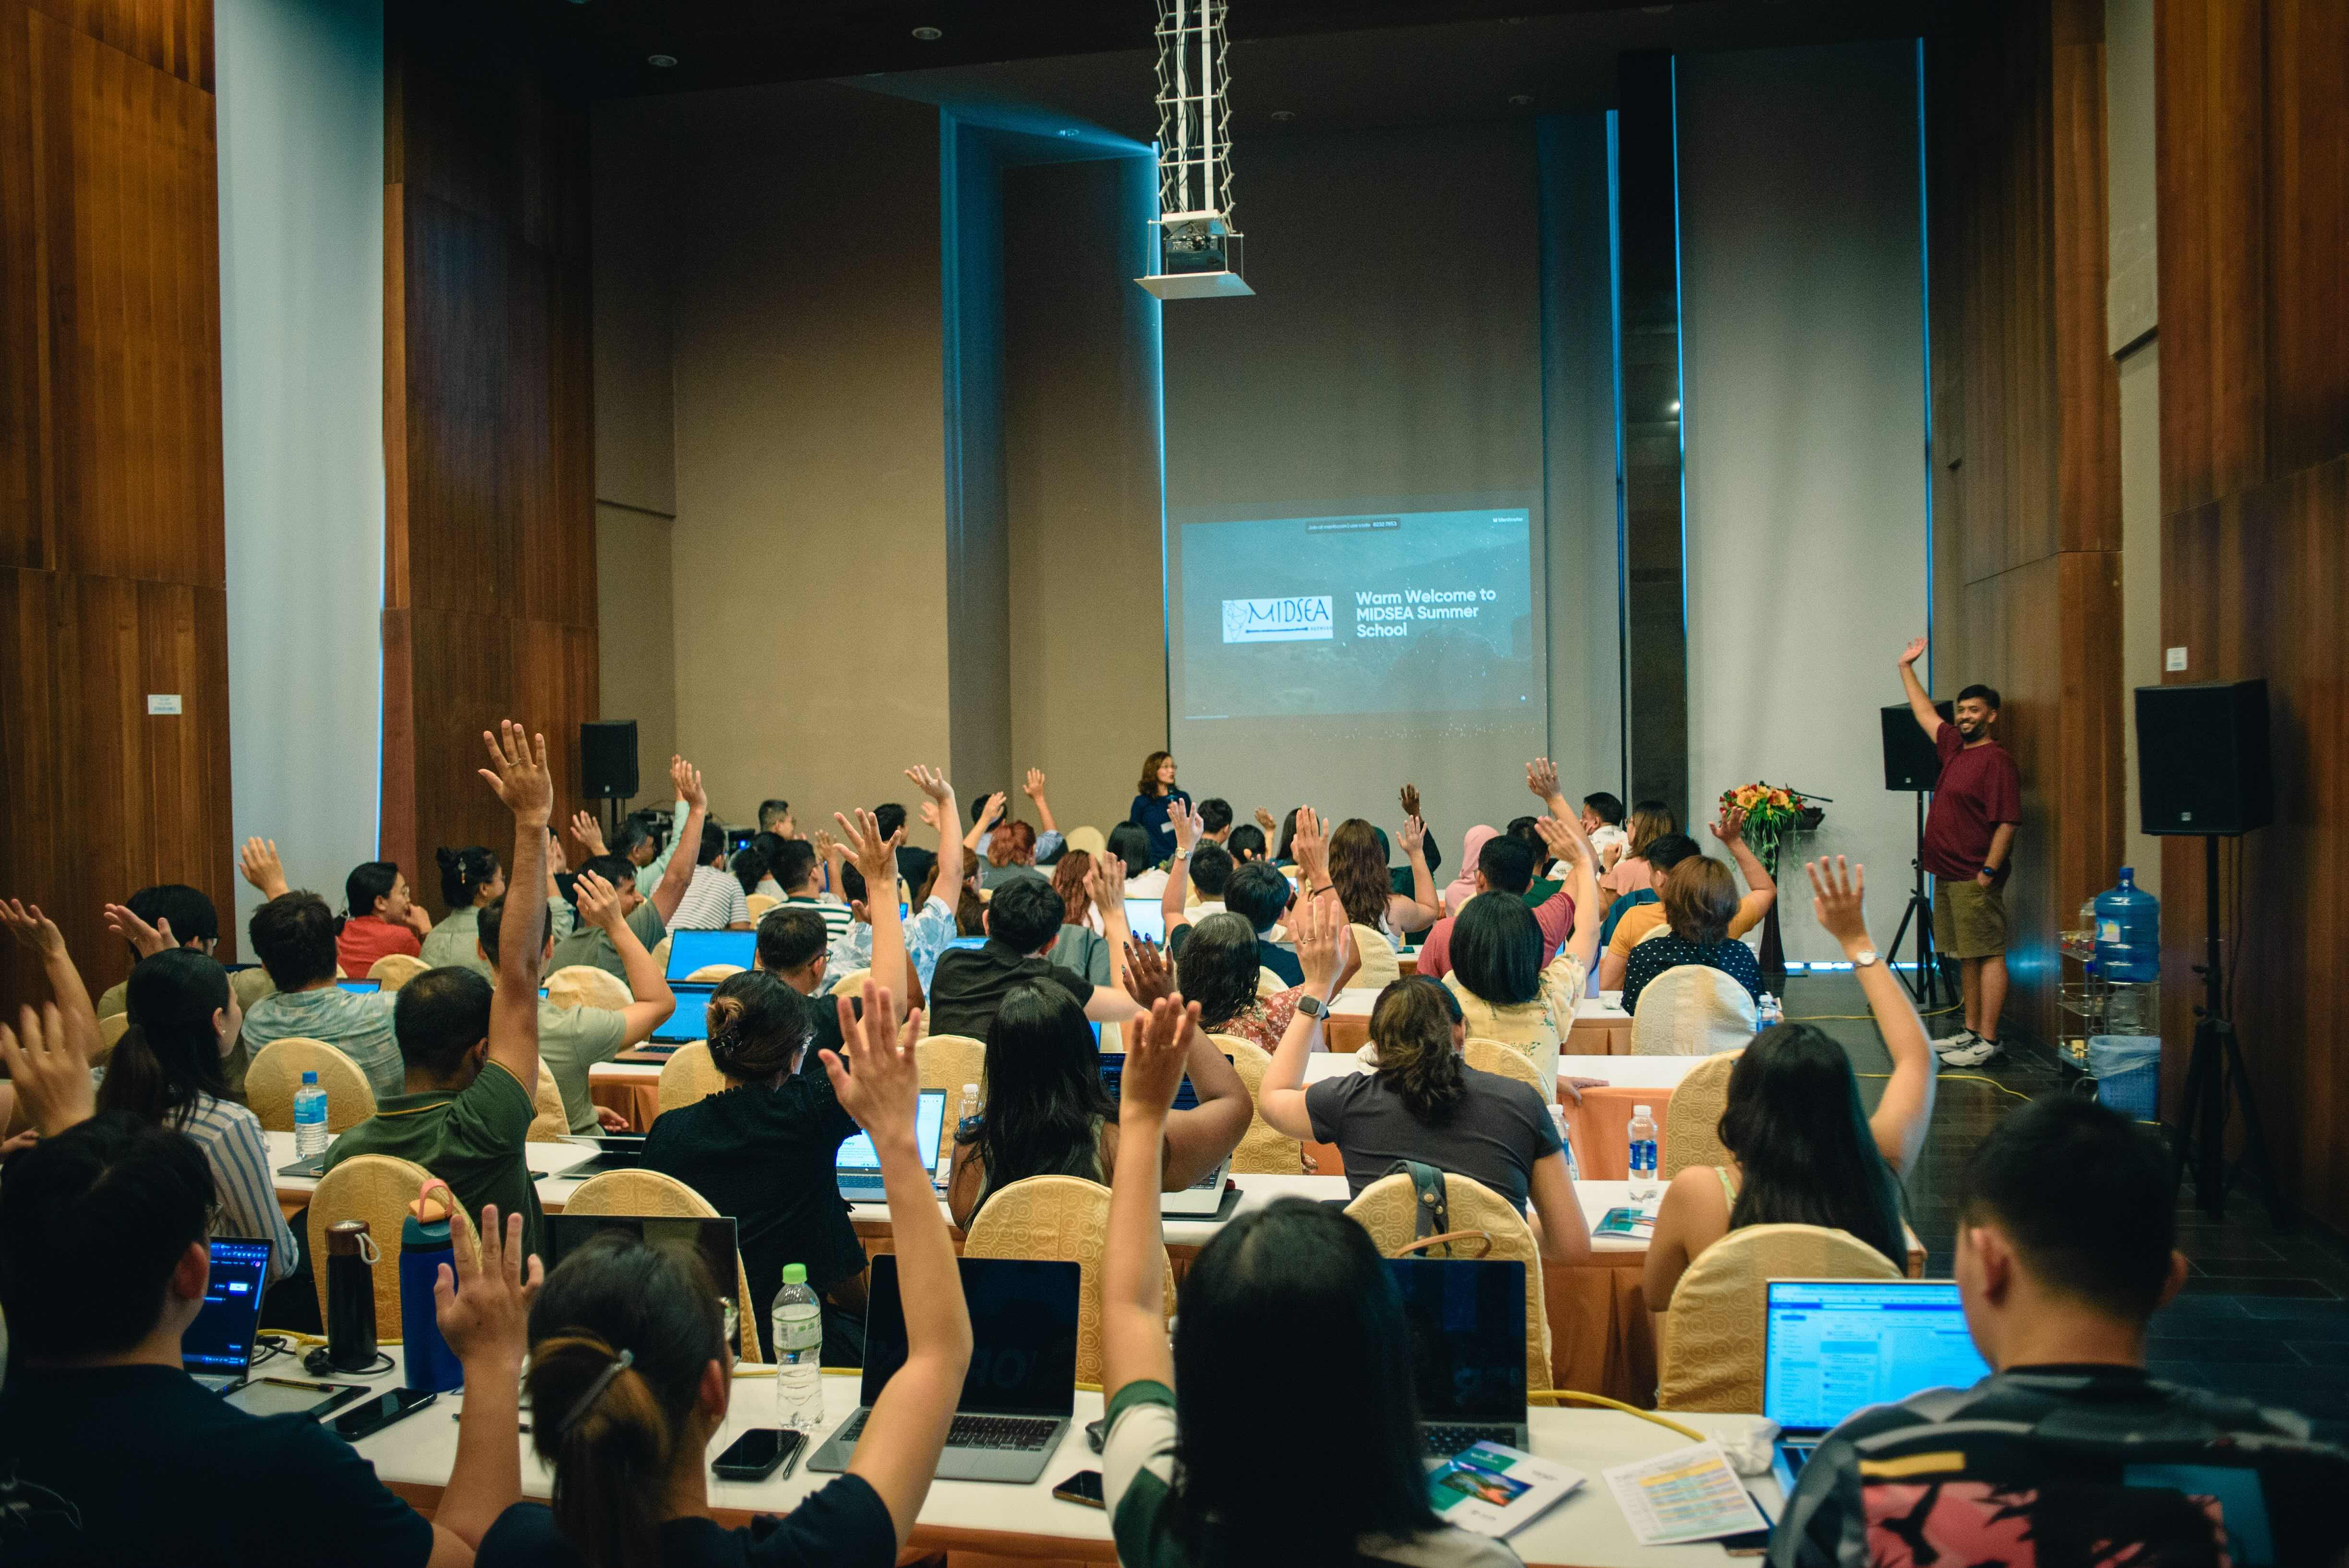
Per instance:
x=1920, y=701
x=518, y=772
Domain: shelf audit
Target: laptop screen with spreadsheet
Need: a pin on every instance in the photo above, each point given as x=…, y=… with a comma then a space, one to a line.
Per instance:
x=1836, y=1347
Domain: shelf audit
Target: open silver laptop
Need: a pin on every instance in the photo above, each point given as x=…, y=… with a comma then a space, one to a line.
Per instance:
x=1021, y=1390
x=1202, y=1198
x=857, y=1165
x=217, y=1348
x=1468, y=1320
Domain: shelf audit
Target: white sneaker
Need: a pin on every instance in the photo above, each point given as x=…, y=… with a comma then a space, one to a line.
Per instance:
x=1963, y=1040
x=1979, y=1054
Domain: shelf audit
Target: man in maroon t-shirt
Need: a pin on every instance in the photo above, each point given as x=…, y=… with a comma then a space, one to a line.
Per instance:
x=1968, y=838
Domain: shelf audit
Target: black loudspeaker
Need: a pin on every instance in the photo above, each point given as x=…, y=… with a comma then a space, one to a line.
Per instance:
x=607, y=759
x=2202, y=758
x=1909, y=761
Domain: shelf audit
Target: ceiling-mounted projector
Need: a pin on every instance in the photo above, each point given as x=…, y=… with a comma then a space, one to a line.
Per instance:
x=1199, y=250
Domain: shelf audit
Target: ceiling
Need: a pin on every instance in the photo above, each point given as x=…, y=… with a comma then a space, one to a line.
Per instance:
x=1300, y=65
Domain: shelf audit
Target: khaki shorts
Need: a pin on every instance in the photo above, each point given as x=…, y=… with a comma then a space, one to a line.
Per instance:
x=1969, y=919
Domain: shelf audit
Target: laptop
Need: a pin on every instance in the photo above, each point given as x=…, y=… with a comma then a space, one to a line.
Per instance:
x=1832, y=1347
x=858, y=1166
x=1021, y=1390
x=217, y=1348
x=1146, y=918
x=690, y=1022
x=1468, y=1320
x=361, y=987
x=967, y=944
x=614, y=1151
x=689, y=950
x=1202, y=1198
x=712, y=1238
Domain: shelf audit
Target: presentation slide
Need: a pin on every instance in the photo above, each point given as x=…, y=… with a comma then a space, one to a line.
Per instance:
x=1412, y=612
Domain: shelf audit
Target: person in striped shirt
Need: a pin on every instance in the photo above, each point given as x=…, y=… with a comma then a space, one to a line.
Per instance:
x=714, y=899
x=795, y=865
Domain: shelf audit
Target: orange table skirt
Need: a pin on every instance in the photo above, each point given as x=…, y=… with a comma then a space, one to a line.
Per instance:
x=639, y=1102
x=1588, y=1038
x=1600, y=1128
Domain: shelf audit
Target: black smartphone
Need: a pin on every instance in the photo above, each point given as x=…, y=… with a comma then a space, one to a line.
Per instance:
x=381, y=1411
x=1084, y=1487
x=757, y=1454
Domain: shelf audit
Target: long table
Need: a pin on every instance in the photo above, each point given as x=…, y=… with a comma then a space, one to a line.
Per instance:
x=415, y=1456
x=555, y=1187
x=1600, y=1028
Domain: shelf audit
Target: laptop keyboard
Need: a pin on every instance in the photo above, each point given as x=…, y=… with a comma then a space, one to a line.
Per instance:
x=1443, y=1440
x=1023, y=1434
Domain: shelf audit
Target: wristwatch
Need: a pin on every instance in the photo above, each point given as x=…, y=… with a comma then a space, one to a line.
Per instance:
x=1865, y=958
x=1312, y=1007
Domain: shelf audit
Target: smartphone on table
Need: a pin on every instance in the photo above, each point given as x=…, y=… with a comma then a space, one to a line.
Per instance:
x=758, y=1453
x=381, y=1411
x=1084, y=1487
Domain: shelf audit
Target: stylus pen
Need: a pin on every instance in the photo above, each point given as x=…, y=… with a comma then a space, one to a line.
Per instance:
x=297, y=1383
x=791, y=1461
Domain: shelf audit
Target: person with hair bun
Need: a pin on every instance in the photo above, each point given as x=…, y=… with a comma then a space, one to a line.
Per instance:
x=630, y=1376
x=1422, y=1102
x=471, y=878
x=761, y=1150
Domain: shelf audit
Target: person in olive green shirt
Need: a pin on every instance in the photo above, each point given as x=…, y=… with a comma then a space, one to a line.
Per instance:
x=646, y=917
x=573, y=1039
x=471, y=1052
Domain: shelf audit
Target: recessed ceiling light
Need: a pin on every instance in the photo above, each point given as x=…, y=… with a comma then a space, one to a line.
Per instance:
x=1521, y=99
x=1284, y=115
x=929, y=35
x=663, y=61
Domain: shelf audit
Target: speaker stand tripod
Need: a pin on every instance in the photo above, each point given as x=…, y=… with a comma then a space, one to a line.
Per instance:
x=1926, y=985
x=2215, y=1077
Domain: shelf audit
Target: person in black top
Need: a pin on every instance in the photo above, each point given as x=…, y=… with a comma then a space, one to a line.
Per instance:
x=762, y=1149
x=111, y=1454
x=1023, y=920
x=1700, y=901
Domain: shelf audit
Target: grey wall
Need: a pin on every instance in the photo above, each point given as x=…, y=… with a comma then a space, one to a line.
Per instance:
x=301, y=228
x=1803, y=342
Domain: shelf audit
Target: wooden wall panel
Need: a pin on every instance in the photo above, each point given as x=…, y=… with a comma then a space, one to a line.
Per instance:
x=112, y=560
x=490, y=576
x=2253, y=143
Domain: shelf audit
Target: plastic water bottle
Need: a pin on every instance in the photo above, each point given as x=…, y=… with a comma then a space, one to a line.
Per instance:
x=799, y=1352
x=969, y=1107
x=2129, y=932
x=1644, y=1194
x=1565, y=1142
x=1767, y=1012
x=309, y=1117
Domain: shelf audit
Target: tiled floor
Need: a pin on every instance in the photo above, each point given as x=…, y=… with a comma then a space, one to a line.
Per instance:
x=2264, y=1315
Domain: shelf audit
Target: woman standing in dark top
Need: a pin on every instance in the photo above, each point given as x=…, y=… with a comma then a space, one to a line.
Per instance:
x=1157, y=797
x=763, y=1149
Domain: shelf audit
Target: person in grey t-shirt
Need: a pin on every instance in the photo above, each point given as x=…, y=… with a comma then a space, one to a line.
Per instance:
x=294, y=936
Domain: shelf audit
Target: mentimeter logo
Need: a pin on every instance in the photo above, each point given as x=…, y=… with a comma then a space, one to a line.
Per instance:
x=1303, y=618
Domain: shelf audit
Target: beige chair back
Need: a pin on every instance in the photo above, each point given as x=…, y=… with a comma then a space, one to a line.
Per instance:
x=396, y=969
x=1262, y=1150
x=1061, y=1219
x=1380, y=967
x=851, y=984
x=948, y=1062
x=584, y=986
x=376, y=1188
x=276, y=1072
x=1389, y=1209
x=711, y=974
x=1509, y=1061
x=688, y=1078
x=1691, y=1010
x=551, y=1123
x=1692, y=1118
x=1710, y=1356
x=649, y=1195
x=1268, y=983
x=761, y=903
x=1093, y=840
x=110, y=1030
x=660, y=955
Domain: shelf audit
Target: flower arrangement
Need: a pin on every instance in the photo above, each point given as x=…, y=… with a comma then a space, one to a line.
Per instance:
x=1773, y=813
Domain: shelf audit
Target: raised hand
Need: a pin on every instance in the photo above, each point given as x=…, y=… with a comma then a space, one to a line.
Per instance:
x=1731, y=825
x=1034, y=787
x=933, y=783
x=598, y=900
x=687, y=780
x=1558, y=839
x=826, y=846
x=1411, y=800
x=588, y=833
x=880, y=1082
x=876, y=857
x=1270, y=824
x=36, y=930
x=1912, y=652
x=1147, y=977
x=1838, y=899
x=483, y=1306
x=1154, y=1058
x=147, y=940
x=1105, y=881
x=259, y=863
x=557, y=864
x=1189, y=827
x=52, y=1080
x=1541, y=778
x=518, y=772
x=991, y=810
x=1414, y=836
x=1311, y=848
x=1325, y=942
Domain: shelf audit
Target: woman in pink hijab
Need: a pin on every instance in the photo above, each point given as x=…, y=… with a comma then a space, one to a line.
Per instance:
x=1462, y=888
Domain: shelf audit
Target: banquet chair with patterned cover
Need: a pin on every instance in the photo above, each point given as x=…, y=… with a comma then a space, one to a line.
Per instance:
x=276, y=1072
x=1380, y=967
x=1090, y=839
x=110, y=1030
x=649, y=1195
x=584, y=986
x=688, y=1078
x=1709, y=1357
x=1691, y=1131
x=948, y=1062
x=850, y=983
x=376, y=1188
x=761, y=903
x=1268, y=983
x=1509, y=1061
x=1262, y=1150
x=660, y=954
x=1691, y=1010
x=1057, y=1219
x=394, y=970
x=551, y=1122
x=1389, y=1209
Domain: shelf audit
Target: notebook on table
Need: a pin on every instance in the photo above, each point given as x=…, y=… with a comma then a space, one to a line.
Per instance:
x=217, y=1348
x=1021, y=1390
x=1834, y=1347
x=689, y=950
x=1467, y=1321
x=1201, y=1198
x=857, y=1165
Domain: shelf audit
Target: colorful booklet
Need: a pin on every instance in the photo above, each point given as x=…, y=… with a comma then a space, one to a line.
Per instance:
x=1636, y=1223
x=1685, y=1494
x=1493, y=1488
